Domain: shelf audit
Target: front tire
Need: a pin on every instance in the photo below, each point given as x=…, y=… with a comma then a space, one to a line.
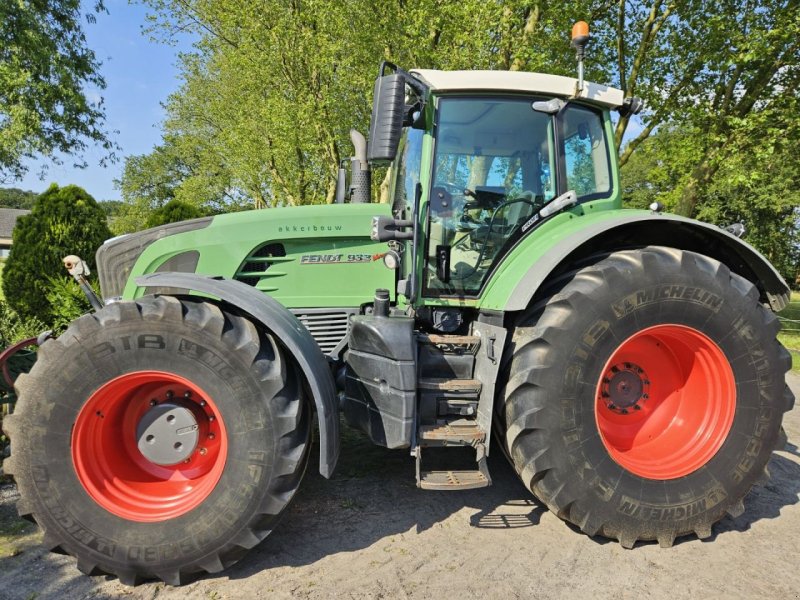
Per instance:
x=158, y=439
x=645, y=395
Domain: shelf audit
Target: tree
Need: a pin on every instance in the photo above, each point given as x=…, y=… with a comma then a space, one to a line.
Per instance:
x=46, y=72
x=16, y=198
x=172, y=212
x=63, y=221
x=268, y=97
x=755, y=187
x=717, y=67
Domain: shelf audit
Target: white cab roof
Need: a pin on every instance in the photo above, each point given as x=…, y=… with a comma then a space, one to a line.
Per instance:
x=518, y=81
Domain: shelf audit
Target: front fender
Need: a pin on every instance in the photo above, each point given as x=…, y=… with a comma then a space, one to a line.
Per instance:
x=293, y=336
x=517, y=284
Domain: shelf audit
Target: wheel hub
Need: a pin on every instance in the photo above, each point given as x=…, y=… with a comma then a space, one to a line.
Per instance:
x=624, y=387
x=167, y=434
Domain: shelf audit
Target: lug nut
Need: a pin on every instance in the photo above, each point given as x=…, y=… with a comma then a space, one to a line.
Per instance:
x=211, y=418
x=202, y=402
x=611, y=406
x=624, y=411
x=645, y=396
x=187, y=394
x=202, y=451
x=169, y=394
x=153, y=402
x=637, y=407
x=211, y=436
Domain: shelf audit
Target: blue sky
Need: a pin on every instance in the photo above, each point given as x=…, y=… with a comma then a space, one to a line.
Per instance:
x=139, y=74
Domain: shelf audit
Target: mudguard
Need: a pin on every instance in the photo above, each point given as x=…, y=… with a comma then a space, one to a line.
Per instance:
x=275, y=317
x=659, y=230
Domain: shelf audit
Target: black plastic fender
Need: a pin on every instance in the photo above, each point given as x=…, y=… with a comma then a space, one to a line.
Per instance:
x=275, y=317
x=655, y=230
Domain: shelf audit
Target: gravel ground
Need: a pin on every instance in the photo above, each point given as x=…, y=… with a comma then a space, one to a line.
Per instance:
x=369, y=533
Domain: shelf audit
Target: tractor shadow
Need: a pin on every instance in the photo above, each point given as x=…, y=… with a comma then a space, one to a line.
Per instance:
x=767, y=500
x=374, y=495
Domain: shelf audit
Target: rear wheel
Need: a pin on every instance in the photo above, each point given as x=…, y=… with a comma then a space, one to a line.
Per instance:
x=645, y=395
x=158, y=439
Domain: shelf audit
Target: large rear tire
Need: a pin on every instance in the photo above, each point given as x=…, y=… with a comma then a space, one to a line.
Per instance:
x=645, y=395
x=158, y=439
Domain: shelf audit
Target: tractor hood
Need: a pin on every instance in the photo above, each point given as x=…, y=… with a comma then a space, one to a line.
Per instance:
x=307, y=256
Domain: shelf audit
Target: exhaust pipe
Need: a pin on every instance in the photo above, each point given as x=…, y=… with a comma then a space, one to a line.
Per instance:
x=360, y=173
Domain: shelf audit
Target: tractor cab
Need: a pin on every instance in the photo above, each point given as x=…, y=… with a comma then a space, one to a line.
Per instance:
x=478, y=159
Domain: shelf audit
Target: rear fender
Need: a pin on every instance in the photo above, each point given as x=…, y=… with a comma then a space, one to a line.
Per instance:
x=647, y=229
x=291, y=333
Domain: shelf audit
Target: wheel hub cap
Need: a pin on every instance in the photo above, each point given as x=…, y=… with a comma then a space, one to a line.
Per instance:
x=624, y=387
x=167, y=434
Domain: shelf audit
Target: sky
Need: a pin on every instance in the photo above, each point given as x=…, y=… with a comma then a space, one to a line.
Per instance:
x=140, y=74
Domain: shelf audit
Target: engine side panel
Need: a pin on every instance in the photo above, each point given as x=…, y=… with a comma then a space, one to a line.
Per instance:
x=303, y=257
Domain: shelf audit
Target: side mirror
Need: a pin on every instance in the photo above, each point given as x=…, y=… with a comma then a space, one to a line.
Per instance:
x=386, y=124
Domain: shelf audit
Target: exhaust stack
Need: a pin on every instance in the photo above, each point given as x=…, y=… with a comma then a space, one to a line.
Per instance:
x=360, y=173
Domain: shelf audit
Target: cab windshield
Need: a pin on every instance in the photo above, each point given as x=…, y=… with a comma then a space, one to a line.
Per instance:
x=496, y=165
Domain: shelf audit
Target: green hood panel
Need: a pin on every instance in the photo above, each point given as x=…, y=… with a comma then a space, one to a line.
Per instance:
x=317, y=256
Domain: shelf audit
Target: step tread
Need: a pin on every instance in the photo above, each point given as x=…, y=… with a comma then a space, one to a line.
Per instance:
x=468, y=432
x=450, y=385
x=452, y=480
x=435, y=338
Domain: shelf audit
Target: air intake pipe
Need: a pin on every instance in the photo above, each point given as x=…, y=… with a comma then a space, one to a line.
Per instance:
x=360, y=174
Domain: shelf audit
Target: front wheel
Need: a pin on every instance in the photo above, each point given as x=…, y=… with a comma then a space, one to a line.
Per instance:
x=645, y=395
x=158, y=439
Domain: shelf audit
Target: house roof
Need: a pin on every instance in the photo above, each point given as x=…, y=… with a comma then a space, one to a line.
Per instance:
x=518, y=81
x=8, y=218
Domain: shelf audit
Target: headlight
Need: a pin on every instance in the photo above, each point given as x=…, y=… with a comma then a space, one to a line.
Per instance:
x=116, y=257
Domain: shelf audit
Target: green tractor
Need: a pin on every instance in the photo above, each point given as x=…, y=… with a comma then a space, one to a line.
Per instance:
x=624, y=360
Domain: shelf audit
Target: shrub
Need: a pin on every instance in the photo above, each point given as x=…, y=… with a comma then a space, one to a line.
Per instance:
x=63, y=221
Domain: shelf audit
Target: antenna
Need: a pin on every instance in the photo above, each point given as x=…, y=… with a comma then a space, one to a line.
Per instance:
x=580, y=39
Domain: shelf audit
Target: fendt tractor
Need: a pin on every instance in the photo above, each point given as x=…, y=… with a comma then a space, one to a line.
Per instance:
x=625, y=361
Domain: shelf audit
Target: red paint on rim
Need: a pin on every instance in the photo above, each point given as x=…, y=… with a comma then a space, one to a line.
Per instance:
x=688, y=409
x=114, y=472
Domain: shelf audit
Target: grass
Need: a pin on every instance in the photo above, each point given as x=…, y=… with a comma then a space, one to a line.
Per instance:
x=790, y=336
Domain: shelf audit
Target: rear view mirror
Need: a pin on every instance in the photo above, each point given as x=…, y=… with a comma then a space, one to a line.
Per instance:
x=386, y=124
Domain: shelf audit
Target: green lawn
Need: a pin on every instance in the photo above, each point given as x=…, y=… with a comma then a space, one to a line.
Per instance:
x=790, y=336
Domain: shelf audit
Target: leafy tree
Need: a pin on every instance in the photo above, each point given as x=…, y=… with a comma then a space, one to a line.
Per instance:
x=172, y=212
x=269, y=97
x=756, y=188
x=46, y=70
x=719, y=67
x=63, y=221
x=16, y=198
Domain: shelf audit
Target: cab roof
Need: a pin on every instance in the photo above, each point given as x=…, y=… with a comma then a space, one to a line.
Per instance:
x=518, y=81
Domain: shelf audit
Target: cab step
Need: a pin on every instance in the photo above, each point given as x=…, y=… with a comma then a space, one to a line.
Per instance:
x=463, y=344
x=454, y=433
x=451, y=385
x=451, y=479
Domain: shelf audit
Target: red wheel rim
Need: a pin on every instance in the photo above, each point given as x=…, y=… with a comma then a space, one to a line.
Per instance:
x=118, y=476
x=665, y=402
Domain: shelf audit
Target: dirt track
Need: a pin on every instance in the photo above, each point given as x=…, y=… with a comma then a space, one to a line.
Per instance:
x=369, y=533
